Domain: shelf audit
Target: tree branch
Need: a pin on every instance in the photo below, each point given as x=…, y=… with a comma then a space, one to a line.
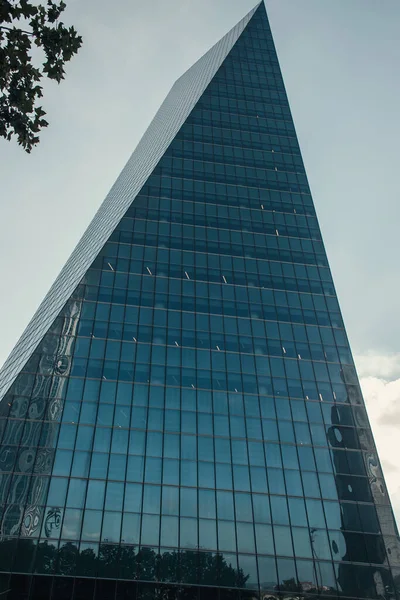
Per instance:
x=19, y=87
x=17, y=29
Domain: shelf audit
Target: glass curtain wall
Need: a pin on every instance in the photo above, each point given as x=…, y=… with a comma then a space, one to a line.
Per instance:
x=192, y=426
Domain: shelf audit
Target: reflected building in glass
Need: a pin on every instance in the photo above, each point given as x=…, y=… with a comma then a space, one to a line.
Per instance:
x=182, y=419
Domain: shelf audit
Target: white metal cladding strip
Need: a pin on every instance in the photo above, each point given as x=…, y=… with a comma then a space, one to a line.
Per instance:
x=176, y=108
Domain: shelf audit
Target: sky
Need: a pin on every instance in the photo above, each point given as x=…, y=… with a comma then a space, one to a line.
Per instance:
x=340, y=62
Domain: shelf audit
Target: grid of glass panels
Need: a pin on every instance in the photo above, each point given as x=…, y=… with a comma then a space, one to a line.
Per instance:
x=192, y=425
x=172, y=114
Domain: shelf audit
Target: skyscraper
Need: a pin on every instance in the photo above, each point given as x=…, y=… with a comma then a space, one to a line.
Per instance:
x=182, y=418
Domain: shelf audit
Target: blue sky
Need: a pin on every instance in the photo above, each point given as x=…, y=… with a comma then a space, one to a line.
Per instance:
x=340, y=63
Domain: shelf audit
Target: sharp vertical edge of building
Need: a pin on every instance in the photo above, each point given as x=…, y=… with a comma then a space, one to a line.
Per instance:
x=182, y=418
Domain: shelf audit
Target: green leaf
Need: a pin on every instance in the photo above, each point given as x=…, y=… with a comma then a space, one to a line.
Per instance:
x=19, y=77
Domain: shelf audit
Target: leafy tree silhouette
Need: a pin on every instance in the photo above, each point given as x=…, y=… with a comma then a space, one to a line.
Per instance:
x=23, y=25
x=290, y=585
x=108, y=560
x=46, y=555
x=87, y=563
x=173, y=573
x=128, y=563
x=67, y=557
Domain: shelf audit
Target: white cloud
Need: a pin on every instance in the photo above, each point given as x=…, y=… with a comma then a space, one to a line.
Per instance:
x=385, y=366
x=380, y=382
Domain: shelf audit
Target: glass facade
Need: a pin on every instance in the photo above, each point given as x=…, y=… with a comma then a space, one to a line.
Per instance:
x=191, y=425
